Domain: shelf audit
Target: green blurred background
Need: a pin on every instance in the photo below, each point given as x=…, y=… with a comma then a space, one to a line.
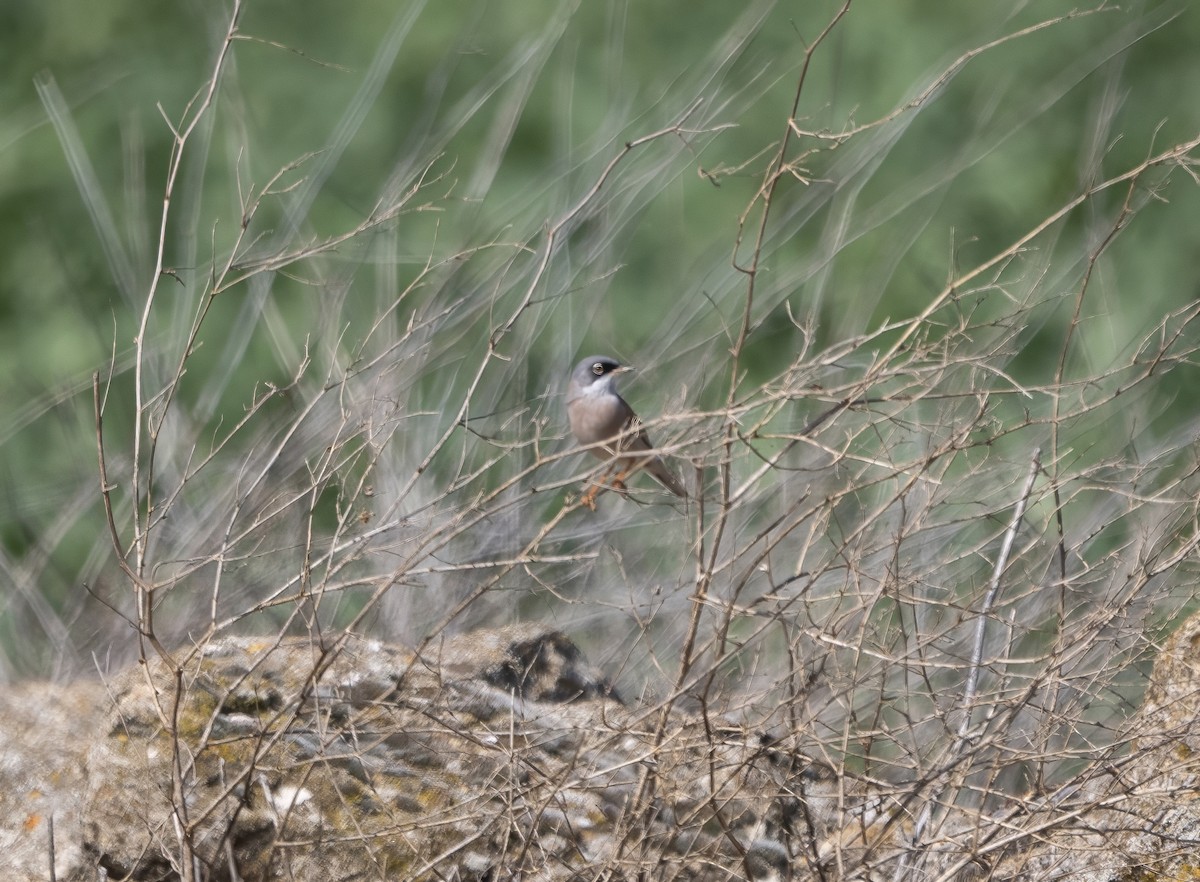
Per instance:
x=515, y=109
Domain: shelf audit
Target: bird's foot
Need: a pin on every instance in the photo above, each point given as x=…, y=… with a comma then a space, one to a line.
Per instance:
x=588, y=499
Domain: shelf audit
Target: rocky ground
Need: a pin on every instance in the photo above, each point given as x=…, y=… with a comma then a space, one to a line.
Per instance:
x=503, y=754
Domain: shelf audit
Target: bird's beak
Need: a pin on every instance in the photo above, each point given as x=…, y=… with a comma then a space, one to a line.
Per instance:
x=624, y=369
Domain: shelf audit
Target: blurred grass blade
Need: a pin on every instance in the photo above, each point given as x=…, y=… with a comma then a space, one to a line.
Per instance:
x=347, y=127
x=89, y=185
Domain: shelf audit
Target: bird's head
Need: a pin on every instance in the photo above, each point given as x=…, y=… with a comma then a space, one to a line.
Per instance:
x=596, y=375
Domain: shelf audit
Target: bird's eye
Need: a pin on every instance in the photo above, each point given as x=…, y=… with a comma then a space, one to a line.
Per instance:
x=598, y=368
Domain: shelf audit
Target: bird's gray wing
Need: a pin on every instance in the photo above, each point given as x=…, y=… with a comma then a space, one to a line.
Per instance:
x=638, y=439
x=635, y=437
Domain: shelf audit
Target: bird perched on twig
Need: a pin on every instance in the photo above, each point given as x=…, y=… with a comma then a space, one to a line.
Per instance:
x=602, y=420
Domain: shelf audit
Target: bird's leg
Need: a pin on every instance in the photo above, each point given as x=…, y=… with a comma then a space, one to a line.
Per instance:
x=613, y=477
x=621, y=473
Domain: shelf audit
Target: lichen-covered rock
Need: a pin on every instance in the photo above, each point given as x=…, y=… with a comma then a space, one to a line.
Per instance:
x=496, y=754
x=44, y=733
x=503, y=754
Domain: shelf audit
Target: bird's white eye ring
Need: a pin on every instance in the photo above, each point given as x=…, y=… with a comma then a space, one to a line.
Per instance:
x=598, y=368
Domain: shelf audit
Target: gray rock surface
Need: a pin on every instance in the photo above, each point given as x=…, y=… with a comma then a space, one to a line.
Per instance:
x=503, y=755
x=499, y=754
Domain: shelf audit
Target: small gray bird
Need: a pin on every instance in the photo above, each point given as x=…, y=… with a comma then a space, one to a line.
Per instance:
x=599, y=414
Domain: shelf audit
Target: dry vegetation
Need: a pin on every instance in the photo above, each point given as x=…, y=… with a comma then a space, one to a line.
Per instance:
x=937, y=552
